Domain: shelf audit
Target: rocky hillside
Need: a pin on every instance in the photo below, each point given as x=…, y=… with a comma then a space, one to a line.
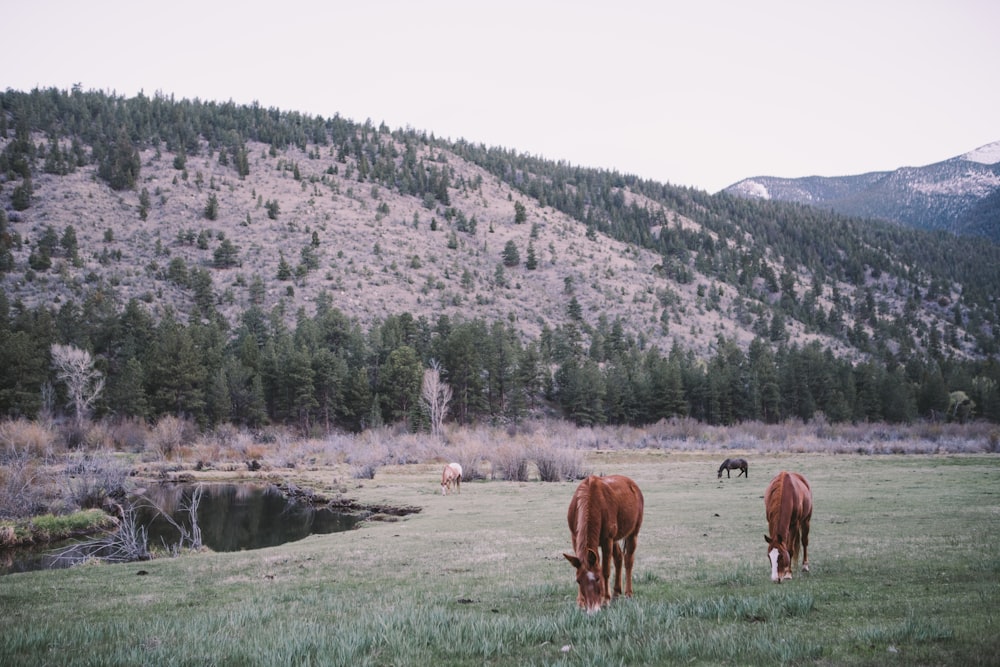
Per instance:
x=197, y=207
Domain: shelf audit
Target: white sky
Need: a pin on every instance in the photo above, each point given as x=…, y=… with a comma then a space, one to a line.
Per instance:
x=691, y=92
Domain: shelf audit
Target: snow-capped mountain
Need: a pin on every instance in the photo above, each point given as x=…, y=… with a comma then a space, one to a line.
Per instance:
x=960, y=195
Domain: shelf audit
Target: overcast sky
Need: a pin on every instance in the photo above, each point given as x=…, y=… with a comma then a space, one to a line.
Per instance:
x=697, y=92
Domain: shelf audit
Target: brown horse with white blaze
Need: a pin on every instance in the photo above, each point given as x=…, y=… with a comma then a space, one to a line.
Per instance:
x=788, y=503
x=603, y=511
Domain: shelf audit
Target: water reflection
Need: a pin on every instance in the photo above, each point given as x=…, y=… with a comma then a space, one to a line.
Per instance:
x=232, y=517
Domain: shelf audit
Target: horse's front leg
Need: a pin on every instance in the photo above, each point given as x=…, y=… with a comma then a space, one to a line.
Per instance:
x=616, y=554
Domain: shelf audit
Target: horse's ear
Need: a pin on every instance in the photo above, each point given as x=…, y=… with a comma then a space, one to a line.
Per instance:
x=592, y=558
x=767, y=539
x=573, y=560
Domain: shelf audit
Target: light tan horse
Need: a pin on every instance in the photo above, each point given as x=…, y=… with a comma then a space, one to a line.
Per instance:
x=788, y=504
x=452, y=473
x=603, y=511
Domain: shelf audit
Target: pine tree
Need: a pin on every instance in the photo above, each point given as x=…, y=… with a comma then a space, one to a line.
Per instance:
x=511, y=256
x=532, y=262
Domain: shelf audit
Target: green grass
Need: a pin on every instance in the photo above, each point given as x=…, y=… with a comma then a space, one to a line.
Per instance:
x=904, y=550
x=51, y=527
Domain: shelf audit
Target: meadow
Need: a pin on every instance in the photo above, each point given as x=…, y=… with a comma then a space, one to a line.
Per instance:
x=904, y=554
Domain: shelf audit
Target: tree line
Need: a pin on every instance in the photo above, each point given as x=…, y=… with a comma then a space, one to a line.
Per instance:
x=327, y=372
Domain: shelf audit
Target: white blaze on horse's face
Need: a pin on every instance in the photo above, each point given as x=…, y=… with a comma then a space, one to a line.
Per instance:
x=591, y=591
x=590, y=582
x=773, y=555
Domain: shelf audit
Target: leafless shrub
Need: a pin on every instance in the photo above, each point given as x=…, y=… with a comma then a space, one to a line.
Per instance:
x=511, y=460
x=557, y=464
x=93, y=478
x=169, y=434
x=127, y=544
x=21, y=492
x=367, y=452
x=468, y=447
x=190, y=532
x=129, y=435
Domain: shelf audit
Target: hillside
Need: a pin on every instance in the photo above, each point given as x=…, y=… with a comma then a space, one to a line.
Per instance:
x=212, y=214
x=957, y=195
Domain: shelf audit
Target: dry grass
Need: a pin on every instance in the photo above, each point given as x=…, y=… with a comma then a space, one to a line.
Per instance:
x=547, y=450
x=34, y=438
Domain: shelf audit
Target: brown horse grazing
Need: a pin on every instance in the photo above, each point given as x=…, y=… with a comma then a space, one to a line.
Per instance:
x=452, y=473
x=788, y=502
x=603, y=511
x=734, y=464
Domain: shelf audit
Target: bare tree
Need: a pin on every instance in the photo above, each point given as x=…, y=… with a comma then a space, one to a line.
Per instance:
x=84, y=383
x=435, y=396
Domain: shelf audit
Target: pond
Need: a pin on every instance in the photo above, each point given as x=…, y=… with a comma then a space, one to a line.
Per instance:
x=232, y=517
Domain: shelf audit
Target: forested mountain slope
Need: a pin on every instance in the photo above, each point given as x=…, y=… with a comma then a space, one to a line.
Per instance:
x=127, y=221
x=958, y=195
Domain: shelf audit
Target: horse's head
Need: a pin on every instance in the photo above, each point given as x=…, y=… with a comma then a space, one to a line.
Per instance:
x=590, y=581
x=781, y=561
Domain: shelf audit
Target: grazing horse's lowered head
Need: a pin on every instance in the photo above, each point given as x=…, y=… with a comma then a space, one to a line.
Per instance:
x=604, y=518
x=452, y=474
x=734, y=464
x=788, y=504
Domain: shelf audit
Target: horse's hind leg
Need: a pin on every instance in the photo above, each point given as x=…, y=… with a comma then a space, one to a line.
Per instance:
x=805, y=545
x=630, y=544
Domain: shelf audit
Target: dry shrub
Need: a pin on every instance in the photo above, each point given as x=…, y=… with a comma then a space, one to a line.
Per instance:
x=558, y=464
x=98, y=436
x=27, y=437
x=511, y=460
x=169, y=434
x=129, y=435
x=92, y=478
x=21, y=486
x=368, y=452
x=466, y=447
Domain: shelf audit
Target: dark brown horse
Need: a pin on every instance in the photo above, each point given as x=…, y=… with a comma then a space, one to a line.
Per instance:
x=603, y=511
x=788, y=503
x=734, y=464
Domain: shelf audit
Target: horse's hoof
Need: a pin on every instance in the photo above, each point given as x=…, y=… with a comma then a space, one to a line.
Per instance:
x=805, y=567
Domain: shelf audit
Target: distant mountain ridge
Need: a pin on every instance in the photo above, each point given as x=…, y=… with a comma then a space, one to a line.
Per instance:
x=960, y=195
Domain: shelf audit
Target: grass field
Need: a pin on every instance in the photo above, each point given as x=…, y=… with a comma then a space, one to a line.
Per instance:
x=904, y=551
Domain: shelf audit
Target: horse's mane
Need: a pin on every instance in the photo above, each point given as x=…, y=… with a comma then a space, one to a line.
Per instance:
x=583, y=523
x=779, y=507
